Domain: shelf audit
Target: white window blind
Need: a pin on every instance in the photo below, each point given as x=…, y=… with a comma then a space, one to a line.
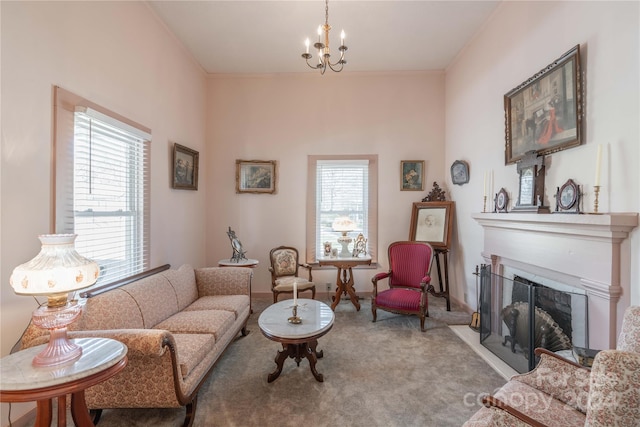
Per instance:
x=341, y=186
x=109, y=208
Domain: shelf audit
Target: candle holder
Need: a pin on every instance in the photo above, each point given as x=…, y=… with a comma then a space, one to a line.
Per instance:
x=484, y=204
x=295, y=319
x=596, y=189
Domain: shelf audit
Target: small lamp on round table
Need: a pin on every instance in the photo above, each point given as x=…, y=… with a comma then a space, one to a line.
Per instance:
x=344, y=224
x=57, y=270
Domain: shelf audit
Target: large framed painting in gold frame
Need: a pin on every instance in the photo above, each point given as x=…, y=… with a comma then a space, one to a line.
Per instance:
x=544, y=113
x=432, y=222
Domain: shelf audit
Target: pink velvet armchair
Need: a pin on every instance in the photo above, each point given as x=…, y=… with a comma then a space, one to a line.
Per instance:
x=408, y=279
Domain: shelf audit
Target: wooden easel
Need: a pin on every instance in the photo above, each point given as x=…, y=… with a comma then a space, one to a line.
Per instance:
x=444, y=286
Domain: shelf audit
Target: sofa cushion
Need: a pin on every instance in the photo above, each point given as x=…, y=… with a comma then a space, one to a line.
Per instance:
x=539, y=405
x=215, y=322
x=233, y=303
x=183, y=281
x=155, y=297
x=192, y=349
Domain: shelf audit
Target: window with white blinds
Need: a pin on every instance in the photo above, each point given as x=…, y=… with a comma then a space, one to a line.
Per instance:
x=105, y=196
x=342, y=186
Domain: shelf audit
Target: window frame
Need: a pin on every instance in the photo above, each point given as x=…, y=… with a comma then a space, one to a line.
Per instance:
x=65, y=107
x=372, y=209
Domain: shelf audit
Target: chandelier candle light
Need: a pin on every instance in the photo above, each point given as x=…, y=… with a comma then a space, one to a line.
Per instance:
x=57, y=270
x=324, y=52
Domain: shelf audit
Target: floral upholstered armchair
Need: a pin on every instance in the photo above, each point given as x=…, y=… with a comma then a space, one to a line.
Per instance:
x=562, y=393
x=284, y=272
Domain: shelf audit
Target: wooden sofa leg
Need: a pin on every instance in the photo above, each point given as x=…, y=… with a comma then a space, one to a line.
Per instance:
x=375, y=314
x=95, y=415
x=191, y=412
x=422, y=323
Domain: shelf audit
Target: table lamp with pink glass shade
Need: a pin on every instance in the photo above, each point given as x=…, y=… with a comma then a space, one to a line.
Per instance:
x=57, y=270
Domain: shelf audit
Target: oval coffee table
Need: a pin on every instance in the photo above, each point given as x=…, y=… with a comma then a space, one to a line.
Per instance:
x=298, y=341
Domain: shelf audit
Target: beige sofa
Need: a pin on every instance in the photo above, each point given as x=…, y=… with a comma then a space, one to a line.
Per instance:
x=175, y=323
x=559, y=393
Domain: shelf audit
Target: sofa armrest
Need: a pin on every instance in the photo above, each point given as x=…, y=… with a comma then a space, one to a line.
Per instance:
x=507, y=415
x=560, y=378
x=223, y=281
x=615, y=389
x=139, y=342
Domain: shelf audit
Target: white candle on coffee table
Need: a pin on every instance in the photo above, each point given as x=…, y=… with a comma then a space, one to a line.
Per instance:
x=295, y=293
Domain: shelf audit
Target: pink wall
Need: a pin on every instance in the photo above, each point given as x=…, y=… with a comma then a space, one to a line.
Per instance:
x=520, y=39
x=138, y=71
x=398, y=116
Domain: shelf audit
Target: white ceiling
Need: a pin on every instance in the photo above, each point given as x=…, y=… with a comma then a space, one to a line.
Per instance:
x=263, y=36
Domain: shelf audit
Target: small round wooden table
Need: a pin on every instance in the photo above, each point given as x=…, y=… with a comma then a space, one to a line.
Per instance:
x=298, y=341
x=20, y=381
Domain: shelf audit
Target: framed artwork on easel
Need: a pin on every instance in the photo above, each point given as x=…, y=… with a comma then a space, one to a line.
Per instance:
x=432, y=222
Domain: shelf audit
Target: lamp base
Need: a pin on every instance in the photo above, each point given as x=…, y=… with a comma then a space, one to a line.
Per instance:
x=59, y=350
x=344, y=241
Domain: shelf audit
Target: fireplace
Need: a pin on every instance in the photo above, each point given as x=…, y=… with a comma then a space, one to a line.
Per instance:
x=587, y=253
x=529, y=315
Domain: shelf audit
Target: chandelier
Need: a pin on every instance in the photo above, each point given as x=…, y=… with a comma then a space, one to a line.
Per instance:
x=324, y=53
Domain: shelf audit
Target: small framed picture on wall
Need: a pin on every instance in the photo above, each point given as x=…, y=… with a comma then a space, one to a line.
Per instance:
x=256, y=176
x=412, y=175
x=185, y=168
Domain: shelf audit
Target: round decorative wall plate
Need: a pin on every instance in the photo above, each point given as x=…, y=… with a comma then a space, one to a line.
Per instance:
x=459, y=172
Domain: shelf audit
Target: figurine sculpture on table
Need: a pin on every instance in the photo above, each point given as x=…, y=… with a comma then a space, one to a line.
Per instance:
x=238, y=252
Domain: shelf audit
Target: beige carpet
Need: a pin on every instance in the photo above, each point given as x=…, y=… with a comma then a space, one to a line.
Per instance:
x=386, y=373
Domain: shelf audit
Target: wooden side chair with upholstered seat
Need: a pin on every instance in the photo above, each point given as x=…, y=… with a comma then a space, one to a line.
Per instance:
x=408, y=279
x=284, y=272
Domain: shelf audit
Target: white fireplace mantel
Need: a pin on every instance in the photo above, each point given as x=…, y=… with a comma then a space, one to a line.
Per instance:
x=581, y=250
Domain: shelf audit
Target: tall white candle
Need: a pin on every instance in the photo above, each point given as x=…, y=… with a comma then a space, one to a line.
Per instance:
x=491, y=183
x=598, y=161
x=484, y=185
x=295, y=293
